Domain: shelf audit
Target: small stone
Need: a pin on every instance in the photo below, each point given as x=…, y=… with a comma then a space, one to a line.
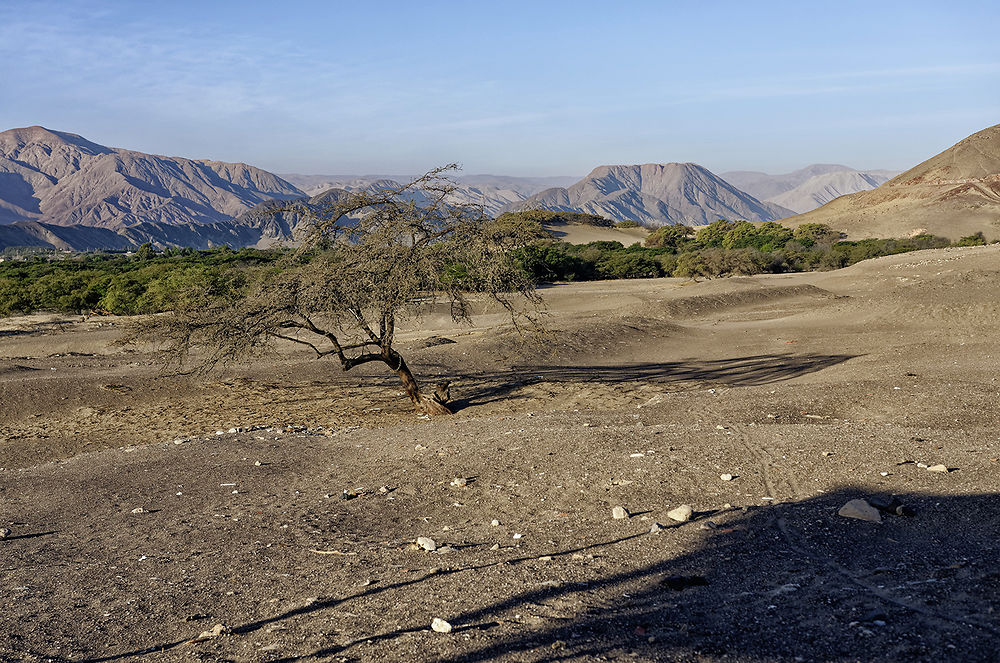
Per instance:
x=440, y=625
x=4, y=532
x=426, y=543
x=655, y=528
x=214, y=632
x=861, y=510
x=256, y=463
x=943, y=469
x=139, y=509
x=444, y=550
x=827, y=453
x=494, y=523
x=459, y=482
x=681, y=514
x=495, y=546
x=545, y=558
x=619, y=513
x=726, y=477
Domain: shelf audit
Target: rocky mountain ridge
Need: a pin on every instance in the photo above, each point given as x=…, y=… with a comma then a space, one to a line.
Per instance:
x=655, y=194
x=59, y=178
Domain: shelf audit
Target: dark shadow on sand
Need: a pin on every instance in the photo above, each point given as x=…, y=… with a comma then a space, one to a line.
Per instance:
x=486, y=387
x=788, y=582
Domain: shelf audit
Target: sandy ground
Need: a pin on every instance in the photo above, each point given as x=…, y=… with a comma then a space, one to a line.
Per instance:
x=810, y=389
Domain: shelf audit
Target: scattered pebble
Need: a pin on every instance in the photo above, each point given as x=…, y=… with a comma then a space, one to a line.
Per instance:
x=619, y=513
x=681, y=514
x=426, y=543
x=655, y=528
x=459, y=482
x=943, y=469
x=138, y=509
x=444, y=550
x=440, y=625
x=861, y=510
x=4, y=532
x=494, y=523
x=726, y=477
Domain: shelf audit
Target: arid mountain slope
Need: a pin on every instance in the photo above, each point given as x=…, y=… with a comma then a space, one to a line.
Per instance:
x=806, y=189
x=952, y=194
x=60, y=178
x=821, y=189
x=657, y=194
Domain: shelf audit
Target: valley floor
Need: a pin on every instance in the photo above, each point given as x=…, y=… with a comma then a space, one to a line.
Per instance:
x=283, y=500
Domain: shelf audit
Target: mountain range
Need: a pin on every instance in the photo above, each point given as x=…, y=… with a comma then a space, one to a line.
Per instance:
x=807, y=188
x=655, y=194
x=61, y=190
x=59, y=178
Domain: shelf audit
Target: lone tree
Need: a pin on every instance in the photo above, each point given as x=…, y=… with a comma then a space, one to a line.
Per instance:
x=366, y=260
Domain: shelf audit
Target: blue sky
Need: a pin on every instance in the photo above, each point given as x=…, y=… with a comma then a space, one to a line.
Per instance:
x=519, y=88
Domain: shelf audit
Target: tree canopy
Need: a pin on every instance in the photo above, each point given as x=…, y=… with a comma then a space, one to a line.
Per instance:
x=366, y=261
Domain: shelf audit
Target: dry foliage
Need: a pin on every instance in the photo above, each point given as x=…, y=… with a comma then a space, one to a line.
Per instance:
x=368, y=259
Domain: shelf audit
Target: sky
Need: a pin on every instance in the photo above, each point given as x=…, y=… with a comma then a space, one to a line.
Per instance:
x=515, y=88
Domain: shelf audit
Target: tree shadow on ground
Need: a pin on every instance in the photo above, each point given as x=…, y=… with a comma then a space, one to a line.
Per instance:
x=788, y=582
x=734, y=372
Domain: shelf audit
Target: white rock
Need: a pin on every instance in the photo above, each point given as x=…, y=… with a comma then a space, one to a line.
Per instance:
x=943, y=469
x=4, y=532
x=726, y=477
x=681, y=514
x=459, y=481
x=619, y=513
x=655, y=528
x=440, y=625
x=861, y=510
x=139, y=509
x=494, y=523
x=426, y=543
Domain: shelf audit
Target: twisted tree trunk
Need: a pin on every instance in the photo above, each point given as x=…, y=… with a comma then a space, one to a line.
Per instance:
x=433, y=405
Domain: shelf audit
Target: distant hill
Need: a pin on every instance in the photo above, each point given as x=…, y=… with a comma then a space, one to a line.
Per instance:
x=493, y=192
x=807, y=188
x=821, y=189
x=953, y=194
x=59, y=178
x=656, y=194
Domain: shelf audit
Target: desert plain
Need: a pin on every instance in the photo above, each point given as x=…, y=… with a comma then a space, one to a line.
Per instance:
x=272, y=512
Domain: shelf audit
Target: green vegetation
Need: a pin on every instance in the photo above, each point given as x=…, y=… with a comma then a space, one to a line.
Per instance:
x=722, y=248
x=548, y=216
x=145, y=282
x=151, y=282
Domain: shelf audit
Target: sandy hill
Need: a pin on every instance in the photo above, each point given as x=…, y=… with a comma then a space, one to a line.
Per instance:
x=656, y=194
x=60, y=178
x=952, y=194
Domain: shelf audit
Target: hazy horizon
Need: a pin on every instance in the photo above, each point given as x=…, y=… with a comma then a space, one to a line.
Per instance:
x=532, y=90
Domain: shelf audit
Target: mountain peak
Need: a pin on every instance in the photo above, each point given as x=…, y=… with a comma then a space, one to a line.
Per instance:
x=656, y=194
